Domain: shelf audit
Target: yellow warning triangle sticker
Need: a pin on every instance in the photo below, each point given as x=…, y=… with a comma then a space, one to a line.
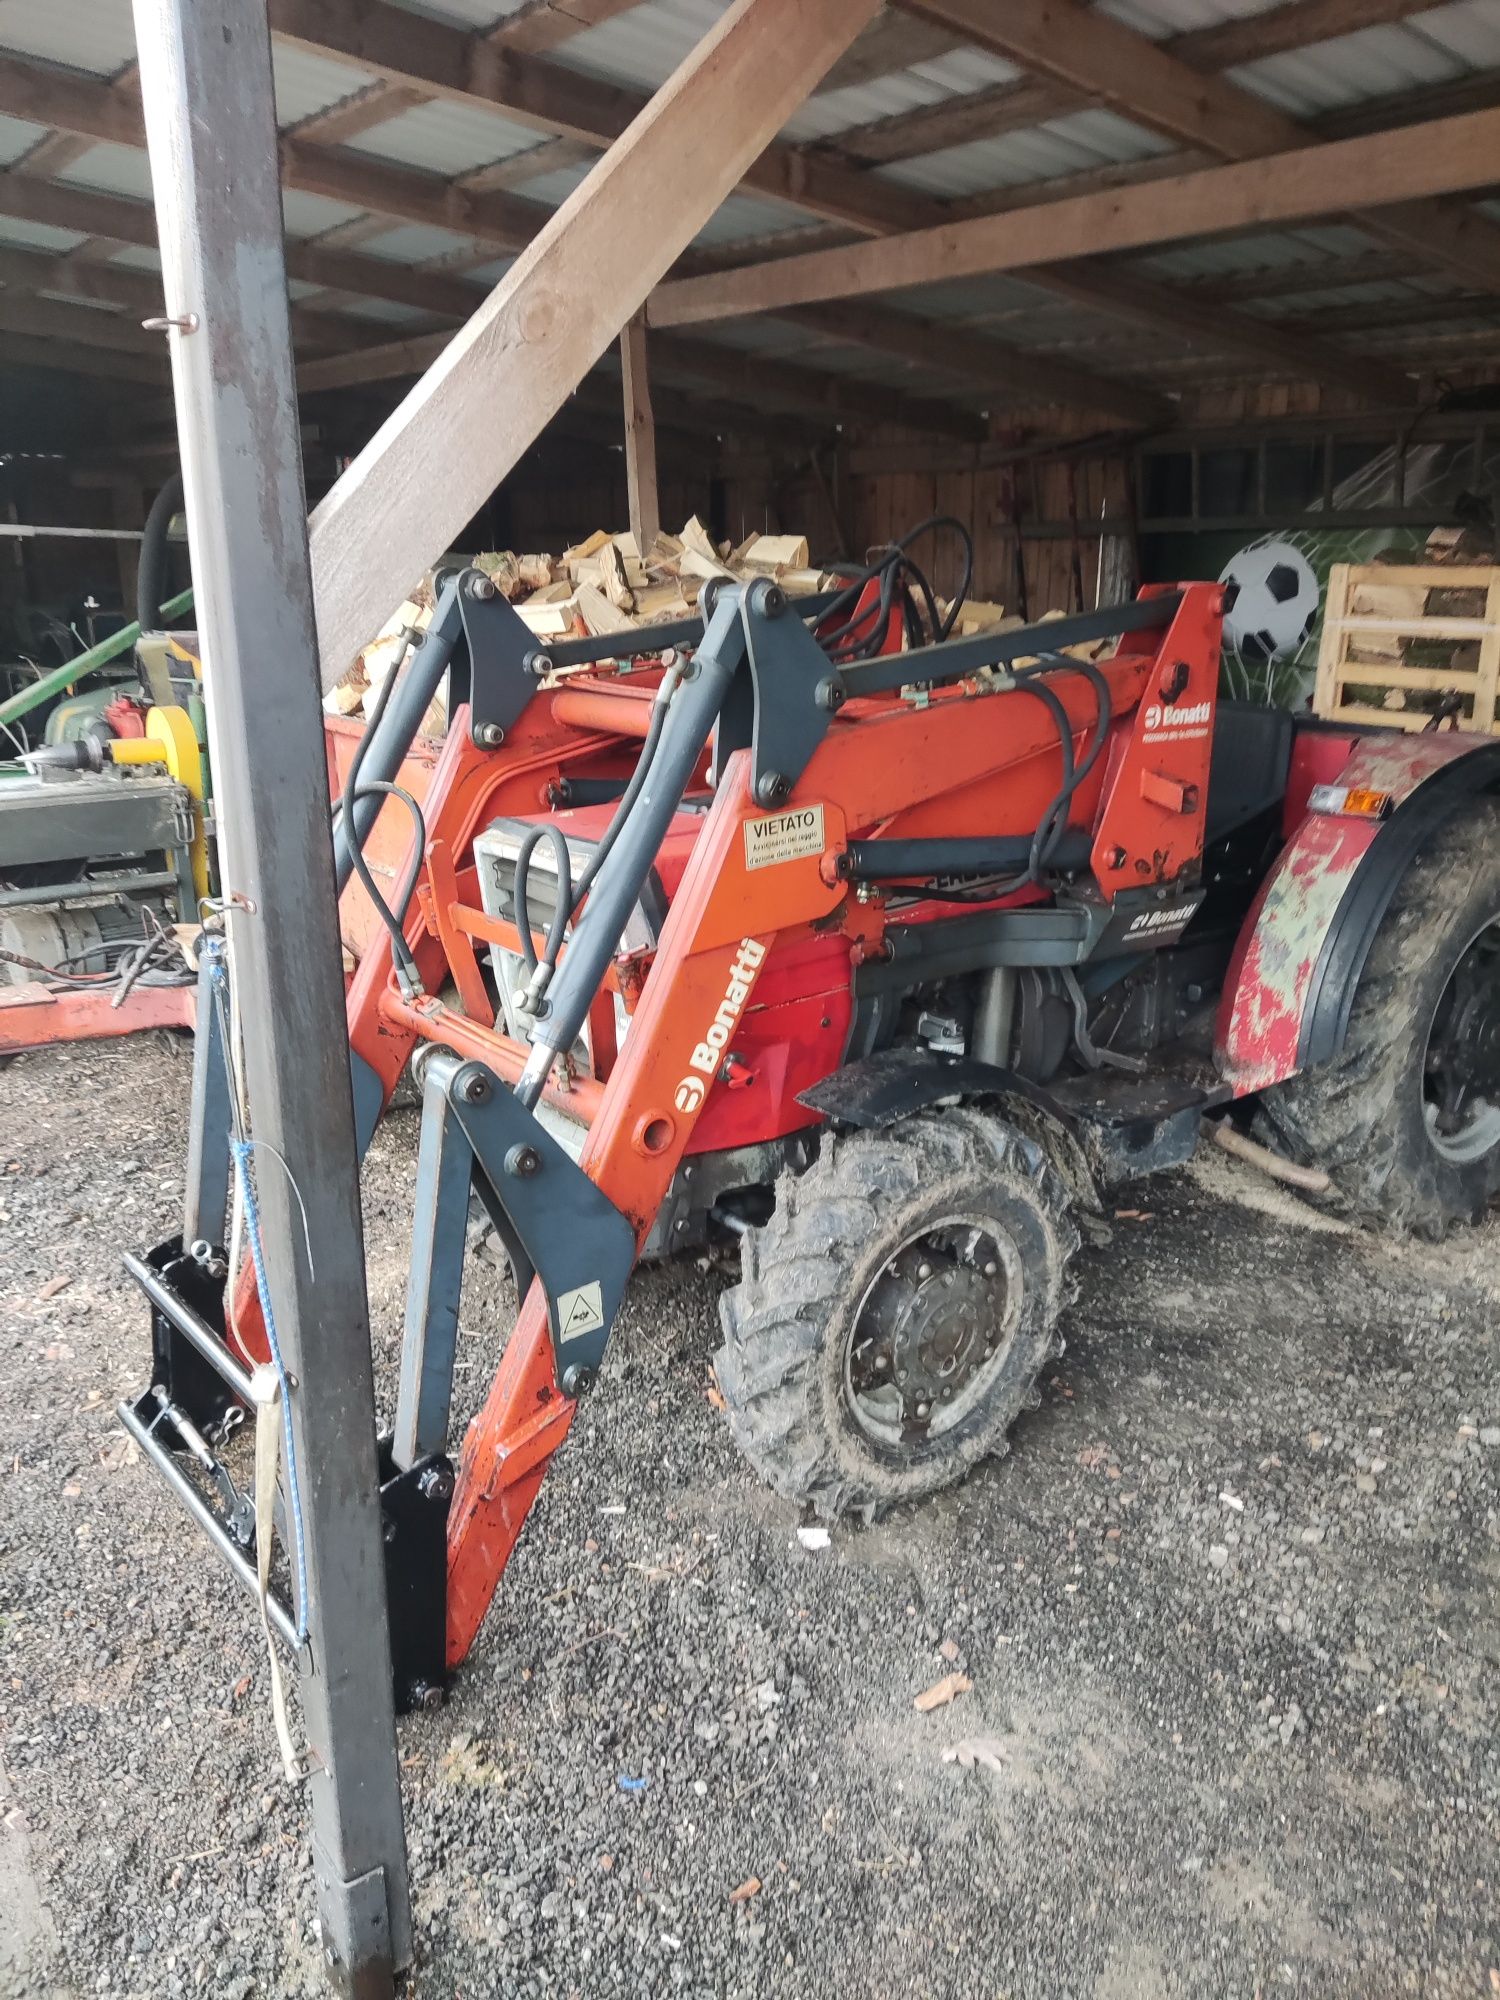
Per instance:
x=580, y=1311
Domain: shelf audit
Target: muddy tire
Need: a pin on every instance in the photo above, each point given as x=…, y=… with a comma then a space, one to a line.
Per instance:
x=1407, y=1117
x=936, y=1250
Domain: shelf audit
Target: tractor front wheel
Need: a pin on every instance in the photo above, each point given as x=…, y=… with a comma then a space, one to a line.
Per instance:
x=895, y=1311
x=1406, y=1118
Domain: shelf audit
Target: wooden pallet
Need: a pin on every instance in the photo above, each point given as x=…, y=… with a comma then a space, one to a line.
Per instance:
x=1396, y=639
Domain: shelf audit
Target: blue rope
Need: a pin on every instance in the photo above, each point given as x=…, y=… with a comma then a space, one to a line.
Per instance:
x=241, y=1147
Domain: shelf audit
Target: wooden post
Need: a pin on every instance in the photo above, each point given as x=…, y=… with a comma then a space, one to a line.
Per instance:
x=438, y=457
x=640, y=436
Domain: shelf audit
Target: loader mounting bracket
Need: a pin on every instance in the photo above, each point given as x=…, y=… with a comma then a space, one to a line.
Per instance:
x=500, y=683
x=576, y=1241
x=780, y=712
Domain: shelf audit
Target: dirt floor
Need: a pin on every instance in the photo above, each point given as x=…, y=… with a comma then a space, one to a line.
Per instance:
x=1229, y=1610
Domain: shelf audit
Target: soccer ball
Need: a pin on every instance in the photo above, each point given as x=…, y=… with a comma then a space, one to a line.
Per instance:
x=1273, y=601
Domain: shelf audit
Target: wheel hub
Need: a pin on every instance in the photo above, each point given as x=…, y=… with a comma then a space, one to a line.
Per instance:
x=932, y=1330
x=941, y=1327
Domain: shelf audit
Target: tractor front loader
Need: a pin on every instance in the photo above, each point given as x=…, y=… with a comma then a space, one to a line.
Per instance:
x=877, y=953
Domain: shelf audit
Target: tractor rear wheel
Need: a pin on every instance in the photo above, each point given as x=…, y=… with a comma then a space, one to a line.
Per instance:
x=1407, y=1117
x=895, y=1311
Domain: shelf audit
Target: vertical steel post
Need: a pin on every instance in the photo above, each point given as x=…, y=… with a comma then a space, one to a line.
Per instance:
x=205, y=69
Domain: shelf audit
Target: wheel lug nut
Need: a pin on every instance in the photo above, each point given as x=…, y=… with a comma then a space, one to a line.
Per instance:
x=924, y=1270
x=991, y=1268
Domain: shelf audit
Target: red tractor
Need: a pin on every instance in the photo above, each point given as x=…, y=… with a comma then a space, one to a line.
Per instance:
x=876, y=951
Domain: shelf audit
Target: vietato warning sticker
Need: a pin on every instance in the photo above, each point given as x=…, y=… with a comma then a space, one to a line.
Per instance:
x=787, y=836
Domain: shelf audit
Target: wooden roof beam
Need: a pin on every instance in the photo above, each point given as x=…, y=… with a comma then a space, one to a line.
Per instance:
x=36, y=350
x=893, y=41
x=985, y=364
x=1444, y=157
x=815, y=390
x=82, y=105
x=1088, y=51
x=139, y=293
x=112, y=219
x=463, y=67
x=1032, y=100
x=560, y=306
x=740, y=377
x=1296, y=24
x=1218, y=330
x=360, y=112
x=540, y=25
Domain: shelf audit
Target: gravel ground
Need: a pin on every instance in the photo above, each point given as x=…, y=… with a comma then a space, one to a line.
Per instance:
x=1228, y=1610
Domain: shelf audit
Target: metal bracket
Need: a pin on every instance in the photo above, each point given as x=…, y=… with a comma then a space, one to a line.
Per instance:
x=500, y=683
x=579, y=1244
x=796, y=690
x=193, y=1380
x=206, y=1196
x=356, y=1918
x=414, y=1505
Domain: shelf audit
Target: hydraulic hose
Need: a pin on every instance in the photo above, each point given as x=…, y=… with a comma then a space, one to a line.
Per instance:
x=151, y=571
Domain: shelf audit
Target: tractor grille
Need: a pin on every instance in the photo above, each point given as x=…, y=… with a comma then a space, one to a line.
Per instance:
x=495, y=852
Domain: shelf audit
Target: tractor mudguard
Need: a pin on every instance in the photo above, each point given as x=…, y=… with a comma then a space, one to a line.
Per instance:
x=1298, y=960
x=880, y=1089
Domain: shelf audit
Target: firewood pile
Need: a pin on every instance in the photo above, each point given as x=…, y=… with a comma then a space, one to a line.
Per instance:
x=606, y=584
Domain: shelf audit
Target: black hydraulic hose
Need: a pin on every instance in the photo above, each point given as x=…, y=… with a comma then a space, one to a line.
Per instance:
x=383, y=787
x=353, y=788
x=628, y=798
x=1052, y=842
x=1054, y=820
x=151, y=578
x=851, y=641
x=896, y=860
x=562, y=909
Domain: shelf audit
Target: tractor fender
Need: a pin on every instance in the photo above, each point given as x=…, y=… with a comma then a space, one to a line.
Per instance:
x=1292, y=977
x=878, y=1090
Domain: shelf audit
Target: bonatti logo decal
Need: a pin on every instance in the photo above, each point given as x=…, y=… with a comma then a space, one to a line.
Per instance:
x=1159, y=720
x=692, y=1090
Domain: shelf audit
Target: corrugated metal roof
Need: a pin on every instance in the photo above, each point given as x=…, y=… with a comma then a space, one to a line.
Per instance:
x=968, y=298
x=37, y=235
x=1044, y=152
x=123, y=170
x=111, y=170
x=385, y=312
x=956, y=75
x=1267, y=250
x=1161, y=18
x=644, y=44
x=307, y=84
x=464, y=13
x=445, y=138
x=1378, y=62
x=138, y=258
x=17, y=138
x=97, y=35
x=641, y=46
x=419, y=243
